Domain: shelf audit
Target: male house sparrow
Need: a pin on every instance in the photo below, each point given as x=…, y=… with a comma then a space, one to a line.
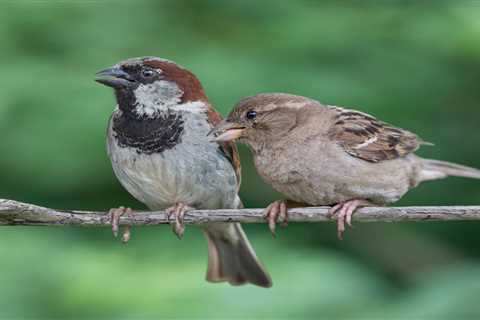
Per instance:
x=158, y=145
x=323, y=155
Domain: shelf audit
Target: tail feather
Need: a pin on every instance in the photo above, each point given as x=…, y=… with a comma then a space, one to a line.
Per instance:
x=231, y=257
x=436, y=169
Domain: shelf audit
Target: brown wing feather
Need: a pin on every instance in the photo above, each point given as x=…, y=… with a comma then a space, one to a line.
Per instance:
x=228, y=148
x=367, y=138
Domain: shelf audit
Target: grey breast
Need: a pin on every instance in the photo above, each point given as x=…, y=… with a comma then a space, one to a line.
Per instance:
x=193, y=170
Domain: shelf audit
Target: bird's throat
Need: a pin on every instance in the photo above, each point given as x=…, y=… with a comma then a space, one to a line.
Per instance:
x=126, y=102
x=148, y=135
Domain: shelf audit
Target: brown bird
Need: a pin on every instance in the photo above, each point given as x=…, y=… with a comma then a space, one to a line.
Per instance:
x=158, y=145
x=324, y=155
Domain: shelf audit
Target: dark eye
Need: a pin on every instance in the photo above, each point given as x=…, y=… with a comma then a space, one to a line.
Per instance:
x=147, y=73
x=251, y=115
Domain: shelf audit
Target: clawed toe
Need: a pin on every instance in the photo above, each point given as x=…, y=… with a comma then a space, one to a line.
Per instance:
x=343, y=213
x=276, y=211
x=178, y=211
x=333, y=210
x=115, y=214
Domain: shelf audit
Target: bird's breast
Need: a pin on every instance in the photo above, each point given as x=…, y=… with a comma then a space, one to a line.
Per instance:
x=322, y=174
x=191, y=169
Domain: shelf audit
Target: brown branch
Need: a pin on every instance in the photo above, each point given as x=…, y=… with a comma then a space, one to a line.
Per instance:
x=18, y=213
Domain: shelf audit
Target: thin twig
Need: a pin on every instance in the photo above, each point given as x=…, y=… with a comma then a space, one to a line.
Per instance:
x=18, y=213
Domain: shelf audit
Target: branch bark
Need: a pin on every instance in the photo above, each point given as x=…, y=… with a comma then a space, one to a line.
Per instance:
x=18, y=213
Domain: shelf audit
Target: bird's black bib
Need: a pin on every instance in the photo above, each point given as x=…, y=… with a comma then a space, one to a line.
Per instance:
x=148, y=135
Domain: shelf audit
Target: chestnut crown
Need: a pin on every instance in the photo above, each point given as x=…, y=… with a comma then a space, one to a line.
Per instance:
x=129, y=74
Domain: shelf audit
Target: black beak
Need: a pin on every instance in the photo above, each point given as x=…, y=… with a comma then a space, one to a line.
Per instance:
x=114, y=77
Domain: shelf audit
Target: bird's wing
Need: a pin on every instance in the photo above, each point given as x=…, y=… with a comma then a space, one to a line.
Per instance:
x=367, y=138
x=229, y=149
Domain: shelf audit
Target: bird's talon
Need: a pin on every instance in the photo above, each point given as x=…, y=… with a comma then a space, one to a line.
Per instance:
x=349, y=222
x=275, y=212
x=126, y=234
x=178, y=226
x=179, y=229
x=333, y=210
x=272, y=227
x=283, y=214
x=115, y=215
x=345, y=212
x=340, y=227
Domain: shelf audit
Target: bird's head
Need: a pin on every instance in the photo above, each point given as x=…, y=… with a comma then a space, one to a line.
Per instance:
x=147, y=86
x=259, y=118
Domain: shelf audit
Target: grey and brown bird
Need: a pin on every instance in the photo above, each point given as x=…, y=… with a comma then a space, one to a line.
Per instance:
x=317, y=154
x=158, y=146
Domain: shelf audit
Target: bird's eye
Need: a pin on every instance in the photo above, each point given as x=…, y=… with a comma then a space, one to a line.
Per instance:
x=251, y=115
x=147, y=73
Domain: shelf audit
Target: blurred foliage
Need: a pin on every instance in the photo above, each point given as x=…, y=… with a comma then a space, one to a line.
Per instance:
x=412, y=63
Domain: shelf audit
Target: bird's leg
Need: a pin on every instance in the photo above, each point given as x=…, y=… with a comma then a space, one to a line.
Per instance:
x=115, y=214
x=276, y=211
x=343, y=212
x=178, y=210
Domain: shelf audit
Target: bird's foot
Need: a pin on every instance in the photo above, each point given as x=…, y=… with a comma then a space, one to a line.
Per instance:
x=115, y=214
x=178, y=211
x=343, y=213
x=275, y=212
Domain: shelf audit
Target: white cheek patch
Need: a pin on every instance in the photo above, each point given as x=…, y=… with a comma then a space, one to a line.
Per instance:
x=193, y=106
x=156, y=97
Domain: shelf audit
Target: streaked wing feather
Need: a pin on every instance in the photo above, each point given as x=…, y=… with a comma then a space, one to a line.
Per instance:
x=367, y=138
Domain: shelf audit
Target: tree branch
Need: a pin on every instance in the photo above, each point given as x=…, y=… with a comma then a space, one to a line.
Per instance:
x=18, y=213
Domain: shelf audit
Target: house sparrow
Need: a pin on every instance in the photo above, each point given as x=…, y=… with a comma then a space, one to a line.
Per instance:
x=324, y=155
x=158, y=145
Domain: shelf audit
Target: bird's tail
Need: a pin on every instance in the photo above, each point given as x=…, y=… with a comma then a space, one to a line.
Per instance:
x=435, y=169
x=231, y=257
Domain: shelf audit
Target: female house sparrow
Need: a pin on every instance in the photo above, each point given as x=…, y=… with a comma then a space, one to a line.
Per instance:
x=324, y=155
x=160, y=153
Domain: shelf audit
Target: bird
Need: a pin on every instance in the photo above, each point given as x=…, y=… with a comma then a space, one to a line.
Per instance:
x=322, y=155
x=159, y=150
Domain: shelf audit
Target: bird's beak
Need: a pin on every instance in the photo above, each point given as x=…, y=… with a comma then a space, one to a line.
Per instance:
x=114, y=77
x=226, y=131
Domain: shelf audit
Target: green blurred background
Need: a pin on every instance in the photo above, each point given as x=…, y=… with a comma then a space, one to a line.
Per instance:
x=412, y=63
